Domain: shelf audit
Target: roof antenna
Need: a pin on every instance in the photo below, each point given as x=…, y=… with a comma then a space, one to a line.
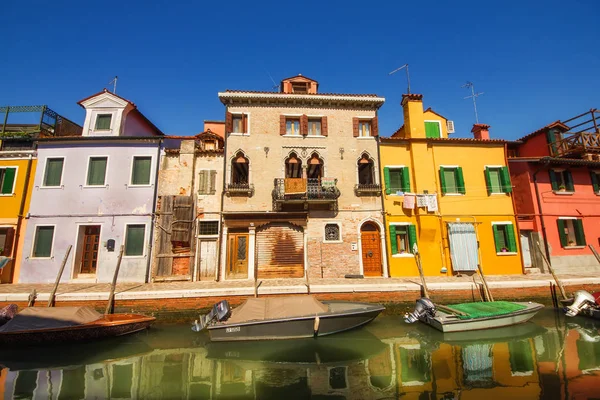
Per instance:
x=114, y=82
x=275, y=85
x=473, y=96
x=407, y=75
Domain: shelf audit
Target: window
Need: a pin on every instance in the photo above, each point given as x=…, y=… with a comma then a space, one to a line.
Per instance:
x=452, y=180
x=53, y=173
x=314, y=127
x=403, y=238
x=293, y=167
x=396, y=179
x=570, y=231
x=292, y=126
x=140, y=174
x=432, y=129
x=240, y=170
x=103, y=122
x=364, y=128
x=7, y=180
x=209, y=145
x=300, y=87
x=504, y=237
x=595, y=181
x=207, y=182
x=561, y=180
x=208, y=228
x=497, y=180
x=332, y=233
x=97, y=171
x=134, y=240
x=366, y=171
x=6, y=241
x=42, y=242
x=239, y=123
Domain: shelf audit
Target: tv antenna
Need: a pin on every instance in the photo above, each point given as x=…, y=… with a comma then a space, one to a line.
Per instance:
x=473, y=96
x=275, y=85
x=407, y=75
x=114, y=82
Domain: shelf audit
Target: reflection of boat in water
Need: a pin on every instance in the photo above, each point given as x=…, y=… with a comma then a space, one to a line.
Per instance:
x=341, y=348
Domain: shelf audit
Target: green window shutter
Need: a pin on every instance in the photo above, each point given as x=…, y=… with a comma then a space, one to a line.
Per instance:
x=134, y=240
x=553, y=179
x=432, y=130
x=510, y=236
x=412, y=237
x=393, y=240
x=141, y=170
x=579, y=234
x=505, y=179
x=561, y=232
x=53, y=173
x=43, y=241
x=97, y=171
x=442, y=180
x=498, y=238
x=405, y=180
x=569, y=181
x=595, y=181
x=202, y=181
x=460, y=180
x=488, y=181
x=8, y=180
x=551, y=139
x=213, y=182
x=386, y=180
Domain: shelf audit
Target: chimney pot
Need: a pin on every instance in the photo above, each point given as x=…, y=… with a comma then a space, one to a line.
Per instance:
x=481, y=131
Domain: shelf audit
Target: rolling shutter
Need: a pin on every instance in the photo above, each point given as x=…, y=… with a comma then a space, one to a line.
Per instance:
x=280, y=251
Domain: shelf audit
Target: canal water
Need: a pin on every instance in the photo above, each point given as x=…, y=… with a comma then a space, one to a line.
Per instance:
x=551, y=357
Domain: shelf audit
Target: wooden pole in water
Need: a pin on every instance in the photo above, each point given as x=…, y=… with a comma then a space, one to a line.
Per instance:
x=419, y=266
x=485, y=285
x=558, y=282
x=111, y=299
x=60, y=272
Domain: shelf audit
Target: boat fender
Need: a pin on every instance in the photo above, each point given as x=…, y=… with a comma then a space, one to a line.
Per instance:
x=316, y=326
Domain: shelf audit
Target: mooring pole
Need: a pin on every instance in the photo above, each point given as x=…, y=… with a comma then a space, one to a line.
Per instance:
x=111, y=299
x=60, y=272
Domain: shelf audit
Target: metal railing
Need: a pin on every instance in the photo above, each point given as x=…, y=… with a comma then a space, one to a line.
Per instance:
x=28, y=121
x=305, y=189
x=367, y=189
x=240, y=189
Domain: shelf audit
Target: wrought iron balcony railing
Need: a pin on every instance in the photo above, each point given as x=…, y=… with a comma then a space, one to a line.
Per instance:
x=306, y=189
x=367, y=189
x=240, y=189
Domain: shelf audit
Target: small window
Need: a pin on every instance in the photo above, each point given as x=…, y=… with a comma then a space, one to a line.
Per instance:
x=209, y=145
x=562, y=181
x=140, y=175
x=134, y=240
x=396, y=179
x=53, y=173
x=332, y=233
x=314, y=127
x=403, y=238
x=7, y=180
x=103, y=122
x=452, y=180
x=364, y=128
x=300, y=87
x=432, y=129
x=292, y=126
x=504, y=238
x=42, y=242
x=366, y=171
x=208, y=228
x=240, y=123
x=97, y=171
x=497, y=180
x=207, y=182
x=240, y=170
x=595, y=181
x=571, y=232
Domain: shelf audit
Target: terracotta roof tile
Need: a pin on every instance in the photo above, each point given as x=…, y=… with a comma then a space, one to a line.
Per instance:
x=412, y=96
x=300, y=94
x=445, y=140
x=556, y=123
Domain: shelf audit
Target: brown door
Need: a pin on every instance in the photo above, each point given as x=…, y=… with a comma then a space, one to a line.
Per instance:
x=89, y=252
x=237, y=255
x=371, y=250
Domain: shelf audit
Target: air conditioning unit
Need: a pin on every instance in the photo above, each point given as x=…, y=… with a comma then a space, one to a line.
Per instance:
x=450, y=126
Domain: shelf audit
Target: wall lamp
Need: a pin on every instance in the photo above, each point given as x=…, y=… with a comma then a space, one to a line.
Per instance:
x=266, y=149
x=342, y=153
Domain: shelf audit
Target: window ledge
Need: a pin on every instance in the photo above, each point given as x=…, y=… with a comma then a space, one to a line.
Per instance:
x=315, y=136
x=574, y=247
x=239, y=134
x=52, y=187
x=140, y=186
x=403, y=255
x=507, y=253
x=497, y=193
x=7, y=194
x=453, y=194
x=561, y=193
x=41, y=258
x=296, y=136
x=94, y=186
x=365, y=137
x=333, y=241
x=142, y=256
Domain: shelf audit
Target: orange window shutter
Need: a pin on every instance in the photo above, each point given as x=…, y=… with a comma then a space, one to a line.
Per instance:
x=245, y=123
x=374, y=127
x=324, y=126
x=282, y=125
x=304, y=125
x=355, y=127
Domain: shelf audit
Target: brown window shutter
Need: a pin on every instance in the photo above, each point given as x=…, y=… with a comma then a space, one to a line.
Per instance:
x=304, y=125
x=228, y=122
x=374, y=127
x=282, y=124
x=355, y=127
x=8, y=243
x=324, y=126
x=245, y=123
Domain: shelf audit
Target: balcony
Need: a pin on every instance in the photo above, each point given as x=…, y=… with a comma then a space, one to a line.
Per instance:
x=580, y=144
x=305, y=191
x=35, y=121
x=240, y=189
x=364, y=189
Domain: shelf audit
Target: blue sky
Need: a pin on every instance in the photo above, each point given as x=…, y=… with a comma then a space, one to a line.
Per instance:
x=535, y=61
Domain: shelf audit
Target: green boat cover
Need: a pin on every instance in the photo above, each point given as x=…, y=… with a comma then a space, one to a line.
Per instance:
x=486, y=309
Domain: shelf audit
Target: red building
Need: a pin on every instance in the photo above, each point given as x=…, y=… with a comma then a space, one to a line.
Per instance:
x=556, y=176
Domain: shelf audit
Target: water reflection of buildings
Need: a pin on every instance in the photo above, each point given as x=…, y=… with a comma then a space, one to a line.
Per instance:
x=558, y=363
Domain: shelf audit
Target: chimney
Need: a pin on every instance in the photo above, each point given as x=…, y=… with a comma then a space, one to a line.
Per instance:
x=414, y=124
x=481, y=131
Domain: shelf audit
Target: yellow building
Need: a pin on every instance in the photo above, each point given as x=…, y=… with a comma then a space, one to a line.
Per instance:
x=451, y=197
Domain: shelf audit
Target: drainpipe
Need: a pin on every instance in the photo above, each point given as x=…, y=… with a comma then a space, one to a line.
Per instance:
x=539, y=203
x=383, y=214
x=220, y=248
x=153, y=218
x=20, y=217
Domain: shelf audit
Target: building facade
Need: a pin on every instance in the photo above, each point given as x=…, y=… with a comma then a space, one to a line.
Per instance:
x=556, y=172
x=448, y=199
x=96, y=194
x=301, y=188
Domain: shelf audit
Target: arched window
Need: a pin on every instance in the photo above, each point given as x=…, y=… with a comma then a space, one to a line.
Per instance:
x=314, y=168
x=293, y=166
x=240, y=169
x=366, y=171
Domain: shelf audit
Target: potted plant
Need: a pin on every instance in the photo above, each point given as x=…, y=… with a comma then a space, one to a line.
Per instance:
x=571, y=243
x=562, y=188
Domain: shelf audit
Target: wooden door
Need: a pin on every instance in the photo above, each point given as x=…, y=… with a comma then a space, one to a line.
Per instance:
x=237, y=255
x=89, y=252
x=371, y=250
x=208, y=259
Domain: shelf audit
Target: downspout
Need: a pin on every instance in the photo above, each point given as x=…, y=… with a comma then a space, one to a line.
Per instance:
x=20, y=217
x=153, y=217
x=383, y=214
x=539, y=203
x=220, y=248
x=194, y=232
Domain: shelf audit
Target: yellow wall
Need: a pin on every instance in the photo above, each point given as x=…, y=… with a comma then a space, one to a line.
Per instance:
x=424, y=158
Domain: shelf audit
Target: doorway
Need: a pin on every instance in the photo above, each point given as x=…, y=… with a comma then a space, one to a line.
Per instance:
x=237, y=255
x=88, y=243
x=370, y=240
x=526, y=248
x=463, y=246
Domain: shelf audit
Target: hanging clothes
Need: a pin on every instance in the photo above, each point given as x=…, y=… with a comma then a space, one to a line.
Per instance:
x=409, y=201
x=432, y=205
x=421, y=200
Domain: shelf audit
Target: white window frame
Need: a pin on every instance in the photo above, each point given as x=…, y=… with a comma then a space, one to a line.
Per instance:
x=247, y=123
x=506, y=253
x=495, y=167
x=129, y=184
x=294, y=116
x=62, y=173
x=401, y=255
x=145, y=246
x=199, y=236
x=436, y=121
x=364, y=119
x=94, y=117
x=33, y=242
x=16, y=167
x=339, y=225
x=566, y=191
x=87, y=170
x=449, y=166
x=315, y=117
x=395, y=167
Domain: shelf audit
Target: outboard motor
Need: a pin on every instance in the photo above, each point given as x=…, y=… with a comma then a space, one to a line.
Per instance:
x=220, y=312
x=581, y=301
x=424, y=307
